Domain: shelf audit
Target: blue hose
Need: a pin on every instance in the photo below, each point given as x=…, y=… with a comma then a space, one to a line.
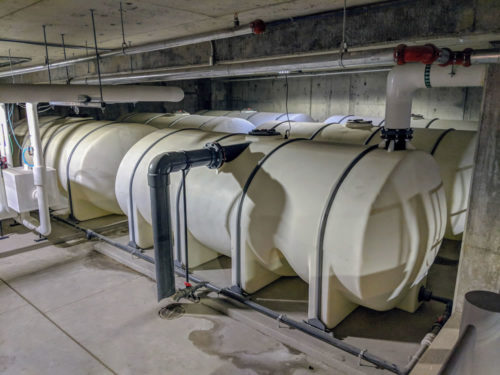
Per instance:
x=24, y=158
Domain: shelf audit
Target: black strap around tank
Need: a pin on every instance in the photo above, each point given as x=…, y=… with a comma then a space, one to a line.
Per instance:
x=253, y=114
x=211, y=119
x=179, y=119
x=280, y=123
x=321, y=129
x=155, y=117
x=281, y=115
x=129, y=115
x=430, y=122
x=68, y=181
x=64, y=126
x=440, y=138
x=370, y=137
x=343, y=118
x=178, y=200
x=41, y=137
x=131, y=217
x=41, y=125
x=248, y=182
x=324, y=221
x=44, y=149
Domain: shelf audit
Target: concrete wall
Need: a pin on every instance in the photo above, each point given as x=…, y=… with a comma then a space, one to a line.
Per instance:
x=479, y=267
x=358, y=94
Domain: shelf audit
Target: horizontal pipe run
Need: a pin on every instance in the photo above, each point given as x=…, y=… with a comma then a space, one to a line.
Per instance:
x=304, y=75
x=21, y=93
x=382, y=58
x=56, y=45
x=92, y=234
x=149, y=47
x=282, y=65
x=485, y=56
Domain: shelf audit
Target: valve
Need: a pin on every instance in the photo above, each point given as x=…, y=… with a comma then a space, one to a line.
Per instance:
x=258, y=26
x=429, y=54
x=3, y=163
x=189, y=292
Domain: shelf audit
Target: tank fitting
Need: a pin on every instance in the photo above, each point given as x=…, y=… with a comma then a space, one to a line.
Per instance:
x=396, y=139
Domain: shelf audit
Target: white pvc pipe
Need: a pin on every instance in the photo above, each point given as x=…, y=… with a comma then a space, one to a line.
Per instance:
x=76, y=93
x=404, y=80
x=43, y=226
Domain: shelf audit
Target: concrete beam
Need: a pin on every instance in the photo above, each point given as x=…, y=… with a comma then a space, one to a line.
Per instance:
x=382, y=23
x=479, y=266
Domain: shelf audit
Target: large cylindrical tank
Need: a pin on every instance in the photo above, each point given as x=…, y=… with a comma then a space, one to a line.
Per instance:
x=93, y=150
x=382, y=228
x=344, y=119
x=184, y=120
x=47, y=124
x=417, y=121
x=452, y=149
x=437, y=123
x=258, y=118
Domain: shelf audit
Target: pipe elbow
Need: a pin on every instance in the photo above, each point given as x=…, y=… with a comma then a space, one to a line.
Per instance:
x=164, y=164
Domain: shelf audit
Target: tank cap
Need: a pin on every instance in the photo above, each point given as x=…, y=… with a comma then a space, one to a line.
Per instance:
x=264, y=132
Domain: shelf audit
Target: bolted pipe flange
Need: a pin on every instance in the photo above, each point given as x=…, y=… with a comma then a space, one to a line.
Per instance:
x=217, y=155
x=396, y=137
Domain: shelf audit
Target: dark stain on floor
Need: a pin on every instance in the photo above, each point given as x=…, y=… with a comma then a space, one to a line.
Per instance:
x=99, y=261
x=283, y=360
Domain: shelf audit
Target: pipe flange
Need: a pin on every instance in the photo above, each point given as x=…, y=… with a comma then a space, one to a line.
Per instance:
x=217, y=155
x=397, y=137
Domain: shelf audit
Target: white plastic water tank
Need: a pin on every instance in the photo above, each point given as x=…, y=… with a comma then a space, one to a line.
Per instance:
x=452, y=149
x=93, y=150
x=382, y=228
x=437, y=123
x=184, y=120
x=258, y=118
x=343, y=119
x=47, y=124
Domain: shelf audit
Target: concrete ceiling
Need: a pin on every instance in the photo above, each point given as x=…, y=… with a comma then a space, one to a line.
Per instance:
x=145, y=20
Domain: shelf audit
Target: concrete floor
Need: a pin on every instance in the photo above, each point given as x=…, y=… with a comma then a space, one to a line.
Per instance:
x=66, y=309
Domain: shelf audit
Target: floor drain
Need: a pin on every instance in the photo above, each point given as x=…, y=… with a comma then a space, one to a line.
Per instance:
x=172, y=311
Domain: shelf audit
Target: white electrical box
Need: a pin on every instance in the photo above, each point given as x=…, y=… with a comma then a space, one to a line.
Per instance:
x=20, y=188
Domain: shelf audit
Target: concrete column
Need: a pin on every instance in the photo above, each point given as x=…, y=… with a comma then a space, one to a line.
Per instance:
x=479, y=266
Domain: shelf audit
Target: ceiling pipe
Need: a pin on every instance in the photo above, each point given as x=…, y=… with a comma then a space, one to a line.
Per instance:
x=34, y=94
x=17, y=93
x=429, y=53
x=271, y=66
x=49, y=44
x=281, y=65
x=256, y=27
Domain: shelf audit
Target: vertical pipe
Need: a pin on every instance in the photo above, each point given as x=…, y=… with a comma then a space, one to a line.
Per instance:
x=39, y=176
x=64, y=53
x=5, y=147
x=97, y=55
x=184, y=207
x=46, y=54
x=160, y=214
